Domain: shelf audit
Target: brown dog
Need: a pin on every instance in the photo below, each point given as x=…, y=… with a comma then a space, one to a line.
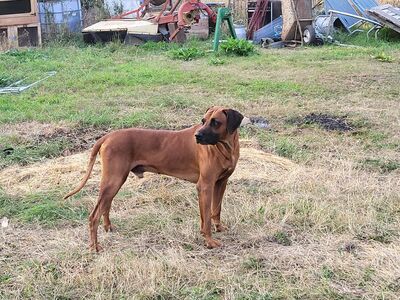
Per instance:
x=204, y=154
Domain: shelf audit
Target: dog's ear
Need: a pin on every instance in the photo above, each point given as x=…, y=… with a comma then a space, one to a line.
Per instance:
x=234, y=118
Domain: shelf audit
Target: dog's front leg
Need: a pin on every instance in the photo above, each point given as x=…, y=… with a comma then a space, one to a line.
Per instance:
x=205, y=190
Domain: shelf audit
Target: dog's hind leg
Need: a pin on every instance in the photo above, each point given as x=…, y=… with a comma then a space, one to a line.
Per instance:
x=113, y=178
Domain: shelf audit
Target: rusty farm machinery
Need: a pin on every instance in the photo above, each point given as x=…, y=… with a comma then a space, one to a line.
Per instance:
x=153, y=20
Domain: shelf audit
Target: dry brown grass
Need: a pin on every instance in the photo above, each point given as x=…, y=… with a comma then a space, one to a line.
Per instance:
x=393, y=2
x=293, y=231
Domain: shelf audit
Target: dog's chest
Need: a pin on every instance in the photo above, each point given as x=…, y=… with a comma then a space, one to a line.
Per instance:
x=228, y=167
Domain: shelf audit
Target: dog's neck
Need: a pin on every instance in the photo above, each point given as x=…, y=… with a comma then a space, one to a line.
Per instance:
x=226, y=147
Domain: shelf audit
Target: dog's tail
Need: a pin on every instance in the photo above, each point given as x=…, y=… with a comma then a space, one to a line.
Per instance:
x=92, y=160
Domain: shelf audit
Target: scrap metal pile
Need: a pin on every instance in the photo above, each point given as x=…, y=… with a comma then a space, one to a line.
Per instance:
x=166, y=23
x=302, y=22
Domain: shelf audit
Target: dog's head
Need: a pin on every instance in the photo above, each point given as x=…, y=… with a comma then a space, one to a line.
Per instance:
x=218, y=124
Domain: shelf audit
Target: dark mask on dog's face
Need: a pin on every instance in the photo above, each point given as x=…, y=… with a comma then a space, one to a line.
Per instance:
x=218, y=123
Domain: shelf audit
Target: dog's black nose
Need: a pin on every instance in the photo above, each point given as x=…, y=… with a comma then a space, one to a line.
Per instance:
x=199, y=136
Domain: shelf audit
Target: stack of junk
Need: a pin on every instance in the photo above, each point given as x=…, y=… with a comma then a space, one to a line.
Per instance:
x=24, y=23
x=278, y=23
x=155, y=20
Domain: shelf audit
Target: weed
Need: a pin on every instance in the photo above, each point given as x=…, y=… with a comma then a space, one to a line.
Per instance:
x=24, y=56
x=253, y=263
x=237, y=47
x=327, y=272
x=282, y=238
x=4, y=278
x=383, y=57
x=285, y=148
x=216, y=61
x=377, y=164
x=186, y=54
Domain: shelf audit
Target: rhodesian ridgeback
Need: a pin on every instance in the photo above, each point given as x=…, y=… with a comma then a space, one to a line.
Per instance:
x=205, y=154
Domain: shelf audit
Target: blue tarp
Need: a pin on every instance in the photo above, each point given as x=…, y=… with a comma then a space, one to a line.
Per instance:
x=272, y=30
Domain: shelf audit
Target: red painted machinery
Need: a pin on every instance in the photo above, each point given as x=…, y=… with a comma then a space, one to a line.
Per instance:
x=175, y=19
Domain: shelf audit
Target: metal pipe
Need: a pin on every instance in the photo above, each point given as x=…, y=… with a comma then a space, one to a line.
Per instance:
x=354, y=16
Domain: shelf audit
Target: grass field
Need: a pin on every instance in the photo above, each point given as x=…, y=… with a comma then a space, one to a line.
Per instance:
x=313, y=213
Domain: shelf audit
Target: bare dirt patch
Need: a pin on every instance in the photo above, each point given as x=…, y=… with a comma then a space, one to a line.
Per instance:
x=326, y=121
x=33, y=130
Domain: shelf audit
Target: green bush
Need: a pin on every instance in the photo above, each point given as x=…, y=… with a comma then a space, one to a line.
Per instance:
x=237, y=47
x=186, y=53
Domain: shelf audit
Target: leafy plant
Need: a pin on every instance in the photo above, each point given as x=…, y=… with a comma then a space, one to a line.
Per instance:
x=237, y=47
x=186, y=53
x=382, y=56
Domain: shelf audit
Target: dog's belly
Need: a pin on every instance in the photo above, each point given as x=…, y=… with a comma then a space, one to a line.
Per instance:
x=188, y=175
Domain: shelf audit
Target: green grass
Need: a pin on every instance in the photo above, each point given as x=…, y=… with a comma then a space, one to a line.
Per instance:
x=377, y=164
x=46, y=209
x=186, y=53
x=26, y=152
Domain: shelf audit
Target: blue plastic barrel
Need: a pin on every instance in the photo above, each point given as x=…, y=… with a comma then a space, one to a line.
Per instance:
x=60, y=16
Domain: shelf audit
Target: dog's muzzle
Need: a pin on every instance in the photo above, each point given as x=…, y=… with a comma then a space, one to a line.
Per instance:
x=199, y=137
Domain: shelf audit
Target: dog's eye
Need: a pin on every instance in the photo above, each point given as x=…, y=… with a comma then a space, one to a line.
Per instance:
x=215, y=123
x=203, y=121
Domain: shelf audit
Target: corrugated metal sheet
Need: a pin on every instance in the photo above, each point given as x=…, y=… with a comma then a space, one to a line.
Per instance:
x=364, y=5
x=272, y=30
x=344, y=6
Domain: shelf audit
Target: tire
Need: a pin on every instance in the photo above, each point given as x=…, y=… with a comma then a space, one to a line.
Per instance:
x=309, y=36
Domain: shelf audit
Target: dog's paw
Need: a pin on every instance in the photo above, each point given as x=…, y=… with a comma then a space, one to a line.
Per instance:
x=110, y=228
x=95, y=248
x=211, y=243
x=220, y=228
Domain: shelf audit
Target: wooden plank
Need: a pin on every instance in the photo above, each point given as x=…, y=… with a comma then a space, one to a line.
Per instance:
x=20, y=20
x=13, y=36
x=131, y=26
